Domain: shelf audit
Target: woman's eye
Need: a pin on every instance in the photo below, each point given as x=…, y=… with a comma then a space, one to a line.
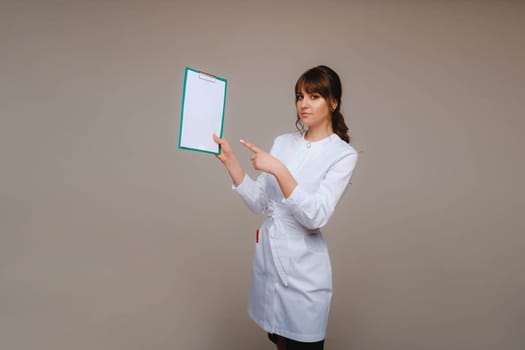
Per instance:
x=314, y=97
x=298, y=97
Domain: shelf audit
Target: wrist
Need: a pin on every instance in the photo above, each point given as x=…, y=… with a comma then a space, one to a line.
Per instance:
x=279, y=169
x=231, y=161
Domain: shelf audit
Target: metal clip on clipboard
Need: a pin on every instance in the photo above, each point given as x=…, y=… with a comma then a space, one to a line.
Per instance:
x=208, y=77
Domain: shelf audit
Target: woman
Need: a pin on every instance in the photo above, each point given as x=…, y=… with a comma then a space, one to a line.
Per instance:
x=302, y=180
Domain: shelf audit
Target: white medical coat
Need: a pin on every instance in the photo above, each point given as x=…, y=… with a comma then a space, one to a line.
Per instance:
x=291, y=285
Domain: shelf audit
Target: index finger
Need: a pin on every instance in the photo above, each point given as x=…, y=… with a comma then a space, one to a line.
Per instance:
x=251, y=147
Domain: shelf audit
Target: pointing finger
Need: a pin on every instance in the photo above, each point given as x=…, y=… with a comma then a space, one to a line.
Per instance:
x=250, y=146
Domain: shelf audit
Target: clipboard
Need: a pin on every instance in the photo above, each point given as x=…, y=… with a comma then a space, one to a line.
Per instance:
x=202, y=111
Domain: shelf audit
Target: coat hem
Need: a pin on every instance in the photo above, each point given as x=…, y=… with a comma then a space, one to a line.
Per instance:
x=310, y=338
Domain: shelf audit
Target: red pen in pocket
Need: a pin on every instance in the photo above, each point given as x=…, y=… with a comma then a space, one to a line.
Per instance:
x=257, y=236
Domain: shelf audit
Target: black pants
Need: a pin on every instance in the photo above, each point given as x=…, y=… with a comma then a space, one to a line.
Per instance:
x=297, y=345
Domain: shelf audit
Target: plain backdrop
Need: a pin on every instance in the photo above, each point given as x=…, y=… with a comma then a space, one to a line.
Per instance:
x=113, y=238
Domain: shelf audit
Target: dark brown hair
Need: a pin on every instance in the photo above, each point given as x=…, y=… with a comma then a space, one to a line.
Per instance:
x=324, y=81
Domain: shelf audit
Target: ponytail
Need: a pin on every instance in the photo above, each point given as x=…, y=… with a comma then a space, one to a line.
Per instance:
x=339, y=126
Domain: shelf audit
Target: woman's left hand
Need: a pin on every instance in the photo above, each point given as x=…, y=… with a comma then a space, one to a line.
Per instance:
x=262, y=160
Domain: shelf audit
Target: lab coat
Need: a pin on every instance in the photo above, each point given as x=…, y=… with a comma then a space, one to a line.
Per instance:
x=291, y=285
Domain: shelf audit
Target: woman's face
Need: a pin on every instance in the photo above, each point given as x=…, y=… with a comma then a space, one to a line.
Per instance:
x=313, y=109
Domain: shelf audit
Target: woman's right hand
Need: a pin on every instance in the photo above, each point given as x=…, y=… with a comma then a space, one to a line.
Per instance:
x=228, y=159
x=226, y=156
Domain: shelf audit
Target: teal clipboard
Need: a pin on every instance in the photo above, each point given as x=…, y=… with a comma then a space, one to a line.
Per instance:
x=202, y=111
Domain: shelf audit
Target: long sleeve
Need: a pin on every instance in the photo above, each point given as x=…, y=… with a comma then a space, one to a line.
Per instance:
x=314, y=209
x=252, y=193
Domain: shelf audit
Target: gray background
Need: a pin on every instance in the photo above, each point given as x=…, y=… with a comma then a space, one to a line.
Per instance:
x=112, y=238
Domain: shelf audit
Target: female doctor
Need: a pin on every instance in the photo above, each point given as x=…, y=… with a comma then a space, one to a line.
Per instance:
x=301, y=181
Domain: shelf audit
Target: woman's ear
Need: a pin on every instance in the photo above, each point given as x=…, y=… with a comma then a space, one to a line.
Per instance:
x=333, y=104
